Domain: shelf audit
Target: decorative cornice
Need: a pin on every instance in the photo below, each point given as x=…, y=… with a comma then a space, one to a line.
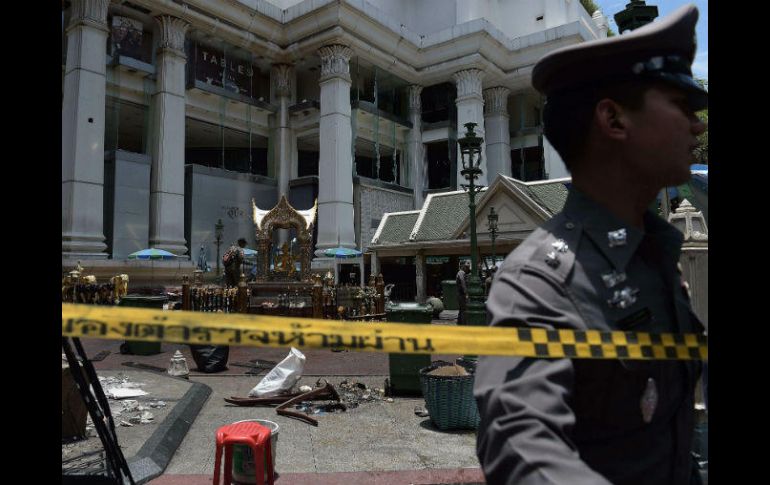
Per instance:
x=468, y=82
x=335, y=61
x=282, y=76
x=89, y=12
x=415, y=104
x=172, y=33
x=496, y=101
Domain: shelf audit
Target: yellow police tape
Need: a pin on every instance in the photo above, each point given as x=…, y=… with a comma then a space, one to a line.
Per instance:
x=266, y=331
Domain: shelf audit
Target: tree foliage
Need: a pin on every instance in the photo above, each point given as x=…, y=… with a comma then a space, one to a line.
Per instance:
x=591, y=7
x=702, y=152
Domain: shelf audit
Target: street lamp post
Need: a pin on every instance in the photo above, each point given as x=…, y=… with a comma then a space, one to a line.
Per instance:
x=492, y=227
x=470, y=151
x=218, y=229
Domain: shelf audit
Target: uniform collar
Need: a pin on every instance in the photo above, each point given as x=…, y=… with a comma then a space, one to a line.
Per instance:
x=597, y=222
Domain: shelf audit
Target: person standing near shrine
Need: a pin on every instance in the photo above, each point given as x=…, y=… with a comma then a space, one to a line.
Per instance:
x=462, y=291
x=233, y=259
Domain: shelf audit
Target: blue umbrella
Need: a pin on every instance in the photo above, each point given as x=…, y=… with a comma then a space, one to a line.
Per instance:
x=342, y=253
x=152, y=253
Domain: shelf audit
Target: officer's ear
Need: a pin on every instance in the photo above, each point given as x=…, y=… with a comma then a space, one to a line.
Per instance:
x=611, y=119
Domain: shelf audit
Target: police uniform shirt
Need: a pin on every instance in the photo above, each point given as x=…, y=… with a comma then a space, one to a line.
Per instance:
x=589, y=421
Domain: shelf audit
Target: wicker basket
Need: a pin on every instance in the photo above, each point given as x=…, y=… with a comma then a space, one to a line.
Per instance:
x=449, y=399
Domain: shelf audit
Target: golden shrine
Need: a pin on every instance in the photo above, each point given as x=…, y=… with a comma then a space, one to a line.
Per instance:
x=284, y=262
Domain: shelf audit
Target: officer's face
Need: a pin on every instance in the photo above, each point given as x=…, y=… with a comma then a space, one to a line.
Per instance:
x=663, y=136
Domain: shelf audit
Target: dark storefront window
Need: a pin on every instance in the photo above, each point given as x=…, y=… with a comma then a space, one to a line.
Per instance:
x=439, y=158
x=307, y=163
x=221, y=147
x=125, y=126
x=438, y=103
x=527, y=164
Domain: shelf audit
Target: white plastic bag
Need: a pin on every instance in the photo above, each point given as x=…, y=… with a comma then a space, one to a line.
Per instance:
x=282, y=377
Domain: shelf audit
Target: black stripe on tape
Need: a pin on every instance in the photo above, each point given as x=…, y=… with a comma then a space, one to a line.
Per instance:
x=596, y=351
x=541, y=350
x=670, y=352
x=553, y=336
x=622, y=351
x=570, y=350
x=647, y=351
x=525, y=335
x=580, y=337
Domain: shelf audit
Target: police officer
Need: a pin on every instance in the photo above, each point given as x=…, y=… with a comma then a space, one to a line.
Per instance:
x=621, y=113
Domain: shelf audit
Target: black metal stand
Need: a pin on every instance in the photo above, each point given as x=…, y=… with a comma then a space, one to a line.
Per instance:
x=99, y=409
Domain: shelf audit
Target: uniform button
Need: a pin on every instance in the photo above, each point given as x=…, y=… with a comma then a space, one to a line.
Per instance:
x=569, y=225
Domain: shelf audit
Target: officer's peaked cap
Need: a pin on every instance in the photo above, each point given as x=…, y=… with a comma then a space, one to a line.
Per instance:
x=662, y=50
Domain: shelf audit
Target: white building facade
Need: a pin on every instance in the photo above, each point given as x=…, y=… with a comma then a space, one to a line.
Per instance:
x=176, y=113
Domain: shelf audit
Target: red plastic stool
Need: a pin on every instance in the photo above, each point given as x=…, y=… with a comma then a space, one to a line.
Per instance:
x=251, y=434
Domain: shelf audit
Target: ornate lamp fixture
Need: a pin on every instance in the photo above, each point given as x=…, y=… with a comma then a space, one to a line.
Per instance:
x=218, y=230
x=470, y=152
x=492, y=227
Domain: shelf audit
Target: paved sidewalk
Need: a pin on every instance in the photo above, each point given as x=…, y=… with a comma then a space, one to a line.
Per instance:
x=378, y=442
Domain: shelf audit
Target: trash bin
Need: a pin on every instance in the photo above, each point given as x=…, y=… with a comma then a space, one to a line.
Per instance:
x=449, y=294
x=405, y=368
x=142, y=301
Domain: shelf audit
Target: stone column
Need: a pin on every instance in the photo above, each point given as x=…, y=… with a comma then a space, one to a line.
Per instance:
x=167, y=179
x=415, y=147
x=601, y=23
x=335, y=167
x=282, y=78
x=496, y=125
x=82, y=147
x=470, y=108
x=375, y=263
x=419, y=262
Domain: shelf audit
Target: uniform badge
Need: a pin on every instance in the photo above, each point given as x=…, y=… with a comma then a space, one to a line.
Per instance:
x=623, y=298
x=649, y=400
x=552, y=259
x=617, y=238
x=560, y=246
x=612, y=278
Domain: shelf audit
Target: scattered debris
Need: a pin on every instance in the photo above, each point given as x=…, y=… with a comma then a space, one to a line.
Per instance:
x=305, y=388
x=327, y=392
x=421, y=412
x=121, y=393
x=100, y=356
x=354, y=393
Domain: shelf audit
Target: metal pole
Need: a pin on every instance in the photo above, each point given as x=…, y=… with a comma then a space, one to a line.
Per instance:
x=219, y=241
x=493, y=235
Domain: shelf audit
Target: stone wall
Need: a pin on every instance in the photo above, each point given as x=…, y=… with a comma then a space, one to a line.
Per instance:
x=212, y=194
